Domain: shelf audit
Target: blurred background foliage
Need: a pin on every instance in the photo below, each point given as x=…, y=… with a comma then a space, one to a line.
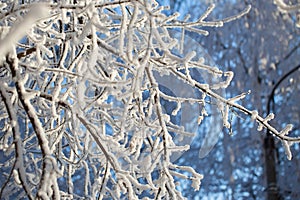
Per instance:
x=262, y=49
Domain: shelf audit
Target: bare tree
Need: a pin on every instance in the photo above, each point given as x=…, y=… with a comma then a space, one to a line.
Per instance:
x=81, y=99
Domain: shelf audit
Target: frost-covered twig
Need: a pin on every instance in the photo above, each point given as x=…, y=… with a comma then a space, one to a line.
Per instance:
x=292, y=8
x=86, y=84
x=262, y=122
x=284, y=7
x=19, y=149
x=193, y=26
x=49, y=165
x=101, y=146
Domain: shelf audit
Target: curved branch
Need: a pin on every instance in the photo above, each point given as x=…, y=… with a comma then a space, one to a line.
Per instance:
x=48, y=163
x=271, y=96
x=19, y=163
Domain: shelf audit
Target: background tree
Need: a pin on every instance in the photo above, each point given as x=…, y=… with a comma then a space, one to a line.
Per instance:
x=84, y=110
x=262, y=49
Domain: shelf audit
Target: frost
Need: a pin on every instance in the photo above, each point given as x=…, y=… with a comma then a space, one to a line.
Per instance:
x=239, y=97
x=190, y=56
x=225, y=113
x=286, y=8
x=266, y=120
x=196, y=183
x=84, y=80
x=260, y=127
x=273, y=66
x=19, y=29
x=200, y=118
x=16, y=177
x=286, y=130
x=270, y=117
x=175, y=111
x=287, y=149
x=254, y=115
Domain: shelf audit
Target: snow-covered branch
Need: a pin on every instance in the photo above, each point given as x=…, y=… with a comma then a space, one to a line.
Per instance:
x=87, y=86
x=285, y=7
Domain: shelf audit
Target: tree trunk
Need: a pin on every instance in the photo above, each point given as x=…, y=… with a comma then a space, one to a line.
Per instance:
x=270, y=168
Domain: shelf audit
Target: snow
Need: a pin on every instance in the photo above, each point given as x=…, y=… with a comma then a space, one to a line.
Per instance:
x=16, y=177
x=287, y=149
x=254, y=115
x=286, y=130
x=175, y=111
x=114, y=140
x=18, y=30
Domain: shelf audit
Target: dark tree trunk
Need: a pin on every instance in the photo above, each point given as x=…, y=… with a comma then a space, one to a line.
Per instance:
x=270, y=168
x=269, y=145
